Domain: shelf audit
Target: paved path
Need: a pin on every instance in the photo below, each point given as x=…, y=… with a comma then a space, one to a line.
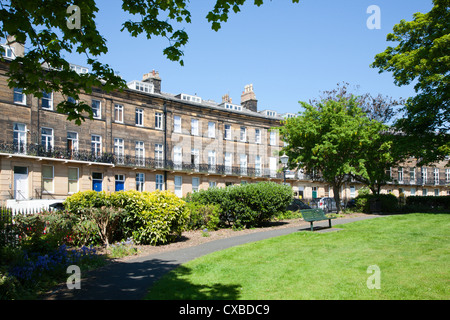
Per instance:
x=131, y=279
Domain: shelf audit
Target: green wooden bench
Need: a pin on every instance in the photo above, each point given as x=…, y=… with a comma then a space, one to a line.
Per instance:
x=312, y=215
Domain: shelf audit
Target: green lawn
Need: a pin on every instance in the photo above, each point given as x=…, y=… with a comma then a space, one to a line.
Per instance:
x=412, y=252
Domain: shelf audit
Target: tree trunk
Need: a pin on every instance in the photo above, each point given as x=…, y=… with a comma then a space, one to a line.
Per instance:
x=337, y=198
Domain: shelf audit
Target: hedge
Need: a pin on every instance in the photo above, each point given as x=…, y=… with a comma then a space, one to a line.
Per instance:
x=246, y=205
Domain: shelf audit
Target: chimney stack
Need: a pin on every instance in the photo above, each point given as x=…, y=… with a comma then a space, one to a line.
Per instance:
x=226, y=99
x=153, y=77
x=248, y=98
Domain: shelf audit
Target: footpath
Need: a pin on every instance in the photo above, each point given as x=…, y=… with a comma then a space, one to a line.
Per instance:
x=130, y=279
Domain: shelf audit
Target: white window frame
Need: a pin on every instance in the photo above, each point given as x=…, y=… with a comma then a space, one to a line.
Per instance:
x=195, y=159
x=72, y=180
x=139, y=117
x=140, y=181
x=211, y=161
x=447, y=175
x=243, y=164
x=177, y=124
x=243, y=134
x=47, y=178
x=158, y=120
x=400, y=174
x=194, y=127
x=227, y=132
x=258, y=166
x=97, y=110
x=20, y=137
x=139, y=149
x=74, y=141
x=159, y=182
x=49, y=98
x=47, y=139
x=258, y=136
x=436, y=176
x=211, y=129
x=159, y=155
x=96, y=145
x=273, y=138
x=119, y=150
x=178, y=187
x=118, y=113
x=195, y=184
x=177, y=157
x=16, y=93
x=228, y=162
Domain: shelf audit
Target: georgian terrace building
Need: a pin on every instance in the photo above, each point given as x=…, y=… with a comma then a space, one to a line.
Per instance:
x=145, y=139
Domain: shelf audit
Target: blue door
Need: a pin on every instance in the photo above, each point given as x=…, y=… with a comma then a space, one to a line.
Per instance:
x=97, y=179
x=120, y=182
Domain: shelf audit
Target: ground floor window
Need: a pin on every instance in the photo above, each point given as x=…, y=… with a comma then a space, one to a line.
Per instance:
x=97, y=180
x=119, y=182
x=159, y=182
x=73, y=180
x=140, y=181
x=47, y=179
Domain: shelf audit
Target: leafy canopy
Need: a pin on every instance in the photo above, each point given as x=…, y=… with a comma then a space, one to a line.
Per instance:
x=42, y=25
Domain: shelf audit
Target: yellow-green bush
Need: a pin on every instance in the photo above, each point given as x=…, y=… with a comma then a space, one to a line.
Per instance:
x=150, y=217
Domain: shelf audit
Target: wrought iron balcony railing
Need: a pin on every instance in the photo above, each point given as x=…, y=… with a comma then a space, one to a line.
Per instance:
x=136, y=161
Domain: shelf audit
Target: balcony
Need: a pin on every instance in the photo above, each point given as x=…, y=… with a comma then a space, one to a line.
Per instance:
x=39, y=151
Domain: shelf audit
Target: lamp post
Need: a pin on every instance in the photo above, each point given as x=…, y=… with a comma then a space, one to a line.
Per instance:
x=284, y=160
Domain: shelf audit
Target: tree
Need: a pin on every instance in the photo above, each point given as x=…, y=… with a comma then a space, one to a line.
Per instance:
x=326, y=138
x=423, y=55
x=50, y=28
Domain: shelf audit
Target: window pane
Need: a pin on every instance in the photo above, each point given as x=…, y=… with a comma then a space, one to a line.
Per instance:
x=47, y=172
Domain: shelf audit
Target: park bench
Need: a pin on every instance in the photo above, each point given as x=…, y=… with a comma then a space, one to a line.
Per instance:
x=312, y=215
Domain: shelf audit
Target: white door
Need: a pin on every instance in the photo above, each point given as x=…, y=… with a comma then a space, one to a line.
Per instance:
x=20, y=183
x=178, y=183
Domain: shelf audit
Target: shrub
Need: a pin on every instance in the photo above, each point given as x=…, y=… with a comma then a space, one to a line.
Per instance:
x=248, y=205
x=427, y=204
x=372, y=203
x=203, y=216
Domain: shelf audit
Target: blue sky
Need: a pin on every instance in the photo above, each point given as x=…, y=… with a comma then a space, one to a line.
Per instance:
x=289, y=52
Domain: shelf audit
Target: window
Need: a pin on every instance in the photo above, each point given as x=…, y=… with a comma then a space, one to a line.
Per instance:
x=424, y=192
x=194, y=127
x=140, y=153
x=96, y=145
x=195, y=184
x=119, y=151
x=177, y=124
x=243, y=134
x=257, y=135
x=73, y=180
x=447, y=175
x=211, y=161
x=412, y=174
x=436, y=175
x=228, y=162
x=118, y=113
x=413, y=191
x=72, y=142
x=258, y=170
x=141, y=86
x=8, y=52
x=211, y=129
x=243, y=163
x=159, y=156
x=195, y=159
x=20, y=138
x=139, y=119
x=212, y=184
x=227, y=133
x=47, y=100
x=177, y=157
x=424, y=175
x=47, y=178
x=178, y=186
x=273, y=166
x=140, y=182
x=19, y=97
x=158, y=121
x=97, y=109
x=352, y=191
x=400, y=174
x=47, y=138
x=436, y=192
x=273, y=138
x=159, y=182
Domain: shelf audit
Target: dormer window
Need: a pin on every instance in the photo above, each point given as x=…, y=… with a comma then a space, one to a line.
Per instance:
x=141, y=86
x=8, y=52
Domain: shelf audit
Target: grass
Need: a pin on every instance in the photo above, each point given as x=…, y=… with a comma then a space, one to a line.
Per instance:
x=412, y=252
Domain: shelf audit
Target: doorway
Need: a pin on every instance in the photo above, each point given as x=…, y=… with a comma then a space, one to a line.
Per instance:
x=20, y=183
